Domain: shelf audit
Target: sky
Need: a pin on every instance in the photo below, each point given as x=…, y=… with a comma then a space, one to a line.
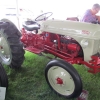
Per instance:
x=60, y=8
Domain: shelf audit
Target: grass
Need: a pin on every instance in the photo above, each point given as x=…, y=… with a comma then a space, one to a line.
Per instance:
x=29, y=82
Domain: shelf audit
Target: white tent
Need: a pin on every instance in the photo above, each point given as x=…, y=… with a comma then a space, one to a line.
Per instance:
x=61, y=8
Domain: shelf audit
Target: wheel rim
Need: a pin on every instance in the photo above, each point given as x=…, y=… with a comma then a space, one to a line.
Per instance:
x=5, y=53
x=61, y=81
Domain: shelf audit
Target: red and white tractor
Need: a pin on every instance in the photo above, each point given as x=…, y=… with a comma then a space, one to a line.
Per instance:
x=72, y=42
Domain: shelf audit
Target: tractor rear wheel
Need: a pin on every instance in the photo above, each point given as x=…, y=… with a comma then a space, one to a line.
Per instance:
x=63, y=79
x=11, y=48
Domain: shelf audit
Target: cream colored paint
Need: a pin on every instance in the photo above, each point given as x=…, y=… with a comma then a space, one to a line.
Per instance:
x=74, y=30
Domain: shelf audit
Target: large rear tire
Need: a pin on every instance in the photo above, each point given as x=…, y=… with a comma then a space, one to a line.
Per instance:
x=11, y=48
x=63, y=79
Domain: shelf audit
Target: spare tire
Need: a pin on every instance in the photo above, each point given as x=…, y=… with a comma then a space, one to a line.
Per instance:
x=11, y=48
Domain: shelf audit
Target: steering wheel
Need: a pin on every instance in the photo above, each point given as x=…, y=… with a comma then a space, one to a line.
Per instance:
x=43, y=16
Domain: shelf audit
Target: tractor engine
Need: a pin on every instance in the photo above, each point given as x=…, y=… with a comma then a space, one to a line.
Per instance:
x=73, y=49
x=65, y=45
x=71, y=46
x=55, y=44
x=30, y=39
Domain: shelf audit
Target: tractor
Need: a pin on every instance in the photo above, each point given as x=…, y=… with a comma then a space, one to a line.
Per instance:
x=71, y=42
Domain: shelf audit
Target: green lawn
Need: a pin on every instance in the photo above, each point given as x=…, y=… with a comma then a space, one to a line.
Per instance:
x=29, y=82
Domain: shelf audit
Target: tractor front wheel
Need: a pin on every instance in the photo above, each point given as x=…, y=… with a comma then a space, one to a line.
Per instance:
x=63, y=79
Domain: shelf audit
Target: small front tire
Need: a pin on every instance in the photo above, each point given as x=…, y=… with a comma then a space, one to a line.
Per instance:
x=63, y=79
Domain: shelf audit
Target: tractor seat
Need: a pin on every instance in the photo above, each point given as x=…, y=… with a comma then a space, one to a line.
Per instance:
x=73, y=18
x=31, y=25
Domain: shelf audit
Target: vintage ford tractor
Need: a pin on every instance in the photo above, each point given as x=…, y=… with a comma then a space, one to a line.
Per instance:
x=72, y=42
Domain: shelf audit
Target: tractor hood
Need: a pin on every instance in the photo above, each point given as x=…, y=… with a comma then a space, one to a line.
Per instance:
x=72, y=28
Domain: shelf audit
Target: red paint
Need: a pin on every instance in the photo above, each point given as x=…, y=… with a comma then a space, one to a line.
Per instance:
x=61, y=46
x=73, y=47
x=59, y=81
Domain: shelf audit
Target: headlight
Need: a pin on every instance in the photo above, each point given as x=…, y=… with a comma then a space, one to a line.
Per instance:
x=84, y=43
